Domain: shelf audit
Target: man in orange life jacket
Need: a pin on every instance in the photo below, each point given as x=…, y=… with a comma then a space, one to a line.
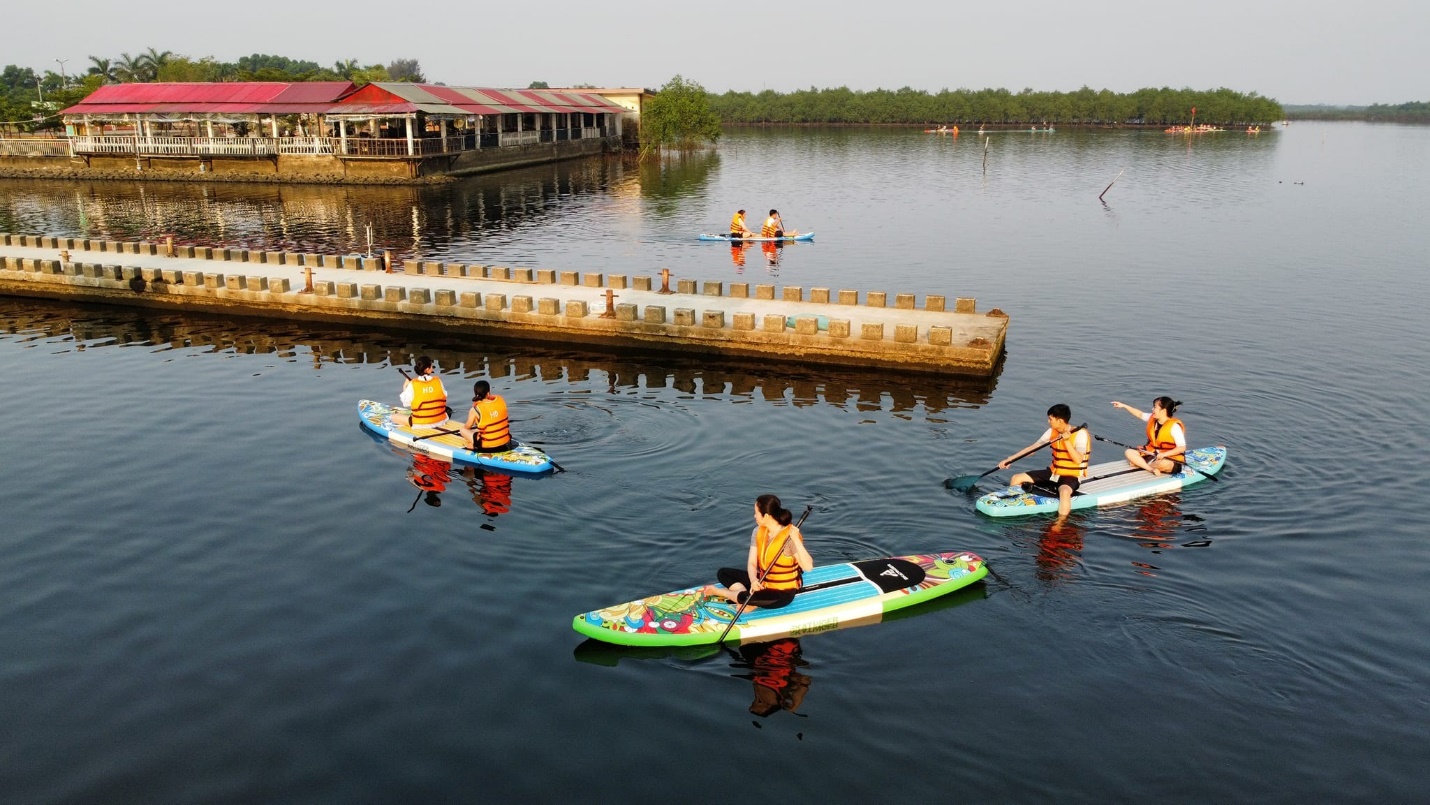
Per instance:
x=425, y=396
x=1071, y=452
x=487, y=428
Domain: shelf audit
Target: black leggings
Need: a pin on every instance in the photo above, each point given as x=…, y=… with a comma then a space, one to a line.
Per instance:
x=765, y=599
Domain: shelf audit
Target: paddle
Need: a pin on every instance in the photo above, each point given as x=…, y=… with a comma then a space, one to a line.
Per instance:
x=1187, y=464
x=963, y=483
x=741, y=609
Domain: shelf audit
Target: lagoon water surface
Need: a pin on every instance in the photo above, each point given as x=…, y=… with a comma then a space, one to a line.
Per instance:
x=217, y=587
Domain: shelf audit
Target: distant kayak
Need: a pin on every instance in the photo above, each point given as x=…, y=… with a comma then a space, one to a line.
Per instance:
x=377, y=417
x=802, y=237
x=1110, y=482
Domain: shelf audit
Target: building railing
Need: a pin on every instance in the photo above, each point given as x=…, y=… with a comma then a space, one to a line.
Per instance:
x=34, y=147
x=378, y=147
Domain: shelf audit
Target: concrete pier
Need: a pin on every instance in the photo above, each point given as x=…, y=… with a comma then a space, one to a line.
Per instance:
x=663, y=313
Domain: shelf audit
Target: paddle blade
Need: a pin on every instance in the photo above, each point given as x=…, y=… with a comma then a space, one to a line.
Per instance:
x=962, y=483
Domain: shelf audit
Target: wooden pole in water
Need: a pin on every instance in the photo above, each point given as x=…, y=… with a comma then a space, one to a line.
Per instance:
x=1110, y=184
x=986, y=141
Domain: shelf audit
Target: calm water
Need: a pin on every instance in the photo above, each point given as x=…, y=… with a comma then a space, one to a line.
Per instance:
x=217, y=588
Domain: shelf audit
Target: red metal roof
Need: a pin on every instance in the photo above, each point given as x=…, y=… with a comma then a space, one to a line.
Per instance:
x=253, y=97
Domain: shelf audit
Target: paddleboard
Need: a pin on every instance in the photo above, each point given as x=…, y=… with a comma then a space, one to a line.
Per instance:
x=834, y=597
x=801, y=237
x=1107, y=483
x=377, y=417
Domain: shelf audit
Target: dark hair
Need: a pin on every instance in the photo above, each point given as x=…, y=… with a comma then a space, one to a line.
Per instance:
x=1167, y=404
x=782, y=516
x=480, y=389
x=742, y=212
x=422, y=364
x=774, y=212
x=768, y=504
x=1061, y=411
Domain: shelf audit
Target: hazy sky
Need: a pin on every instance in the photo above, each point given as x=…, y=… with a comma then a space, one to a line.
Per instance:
x=1314, y=51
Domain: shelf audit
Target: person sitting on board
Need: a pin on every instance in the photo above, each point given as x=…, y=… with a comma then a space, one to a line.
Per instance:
x=1166, y=447
x=1071, y=452
x=738, y=230
x=425, y=396
x=487, y=429
x=775, y=227
x=777, y=555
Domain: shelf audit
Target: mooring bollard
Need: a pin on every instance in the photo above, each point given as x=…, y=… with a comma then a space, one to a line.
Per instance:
x=665, y=281
x=308, y=279
x=610, y=305
x=64, y=256
x=387, y=261
x=168, y=245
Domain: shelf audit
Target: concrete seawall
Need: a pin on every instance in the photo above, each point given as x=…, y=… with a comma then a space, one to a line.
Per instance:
x=790, y=323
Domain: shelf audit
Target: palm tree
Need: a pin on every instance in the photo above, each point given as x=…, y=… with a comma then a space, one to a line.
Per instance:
x=153, y=60
x=346, y=67
x=103, y=68
x=130, y=69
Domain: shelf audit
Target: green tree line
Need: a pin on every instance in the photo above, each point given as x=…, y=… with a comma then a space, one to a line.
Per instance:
x=1086, y=106
x=1413, y=112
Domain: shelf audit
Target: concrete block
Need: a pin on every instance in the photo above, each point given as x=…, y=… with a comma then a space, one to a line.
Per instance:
x=570, y=278
x=739, y=290
x=616, y=281
x=872, y=332
x=184, y=251
x=546, y=276
x=445, y=297
x=521, y=274
x=257, y=283
x=215, y=281
x=684, y=317
x=576, y=309
x=654, y=314
x=627, y=312
x=640, y=283
x=940, y=336
x=194, y=278
x=876, y=299
x=234, y=282
x=204, y=252
x=521, y=304
x=793, y=293
x=394, y=293
x=352, y=261
x=172, y=276
x=838, y=328
x=411, y=267
x=151, y=274
x=419, y=296
x=964, y=304
x=685, y=286
x=432, y=268
x=819, y=295
x=904, y=301
x=593, y=279
x=498, y=273
x=54, y=243
x=52, y=267
x=714, y=319
x=347, y=290
x=469, y=299
x=323, y=288
x=548, y=306
x=807, y=325
x=906, y=333
x=764, y=292
x=372, y=264
x=743, y=321
x=281, y=285
x=774, y=323
x=273, y=258
x=496, y=301
x=934, y=303
x=292, y=259
x=370, y=293
x=713, y=289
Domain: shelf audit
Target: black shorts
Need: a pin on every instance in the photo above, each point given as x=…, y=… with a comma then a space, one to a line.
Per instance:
x=765, y=599
x=1044, y=478
x=501, y=449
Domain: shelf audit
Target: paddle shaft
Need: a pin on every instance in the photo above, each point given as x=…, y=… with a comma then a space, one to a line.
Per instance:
x=955, y=482
x=1185, y=463
x=751, y=593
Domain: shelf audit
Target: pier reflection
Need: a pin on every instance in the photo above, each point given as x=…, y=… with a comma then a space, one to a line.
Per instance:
x=89, y=327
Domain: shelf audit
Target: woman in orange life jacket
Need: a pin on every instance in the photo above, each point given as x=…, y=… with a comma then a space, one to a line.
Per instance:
x=738, y=230
x=1070, y=458
x=1166, y=447
x=487, y=429
x=776, y=546
x=425, y=396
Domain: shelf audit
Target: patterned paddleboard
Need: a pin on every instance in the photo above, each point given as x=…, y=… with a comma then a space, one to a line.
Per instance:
x=801, y=237
x=377, y=417
x=834, y=597
x=1110, y=482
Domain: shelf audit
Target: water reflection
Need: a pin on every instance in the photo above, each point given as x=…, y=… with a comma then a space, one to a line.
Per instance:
x=88, y=327
x=1059, y=550
x=774, y=671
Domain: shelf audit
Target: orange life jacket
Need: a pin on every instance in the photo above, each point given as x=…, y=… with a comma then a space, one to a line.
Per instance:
x=493, y=428
x=781, y=571
x=771, y=228
x=429, y=401
x=737, y=224
x=1063, y=465
x=1160, y=439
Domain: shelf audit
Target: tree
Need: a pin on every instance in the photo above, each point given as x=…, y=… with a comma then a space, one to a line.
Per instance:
x=538, y=85
x=679, y=116
x=405, y=70
x=103, y=68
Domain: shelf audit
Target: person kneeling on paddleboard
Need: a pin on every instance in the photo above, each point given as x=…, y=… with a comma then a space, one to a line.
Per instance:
x=777, y=556
x=425, y=396
x=1166, y=447
x=487, y=429
x=1071, y=451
